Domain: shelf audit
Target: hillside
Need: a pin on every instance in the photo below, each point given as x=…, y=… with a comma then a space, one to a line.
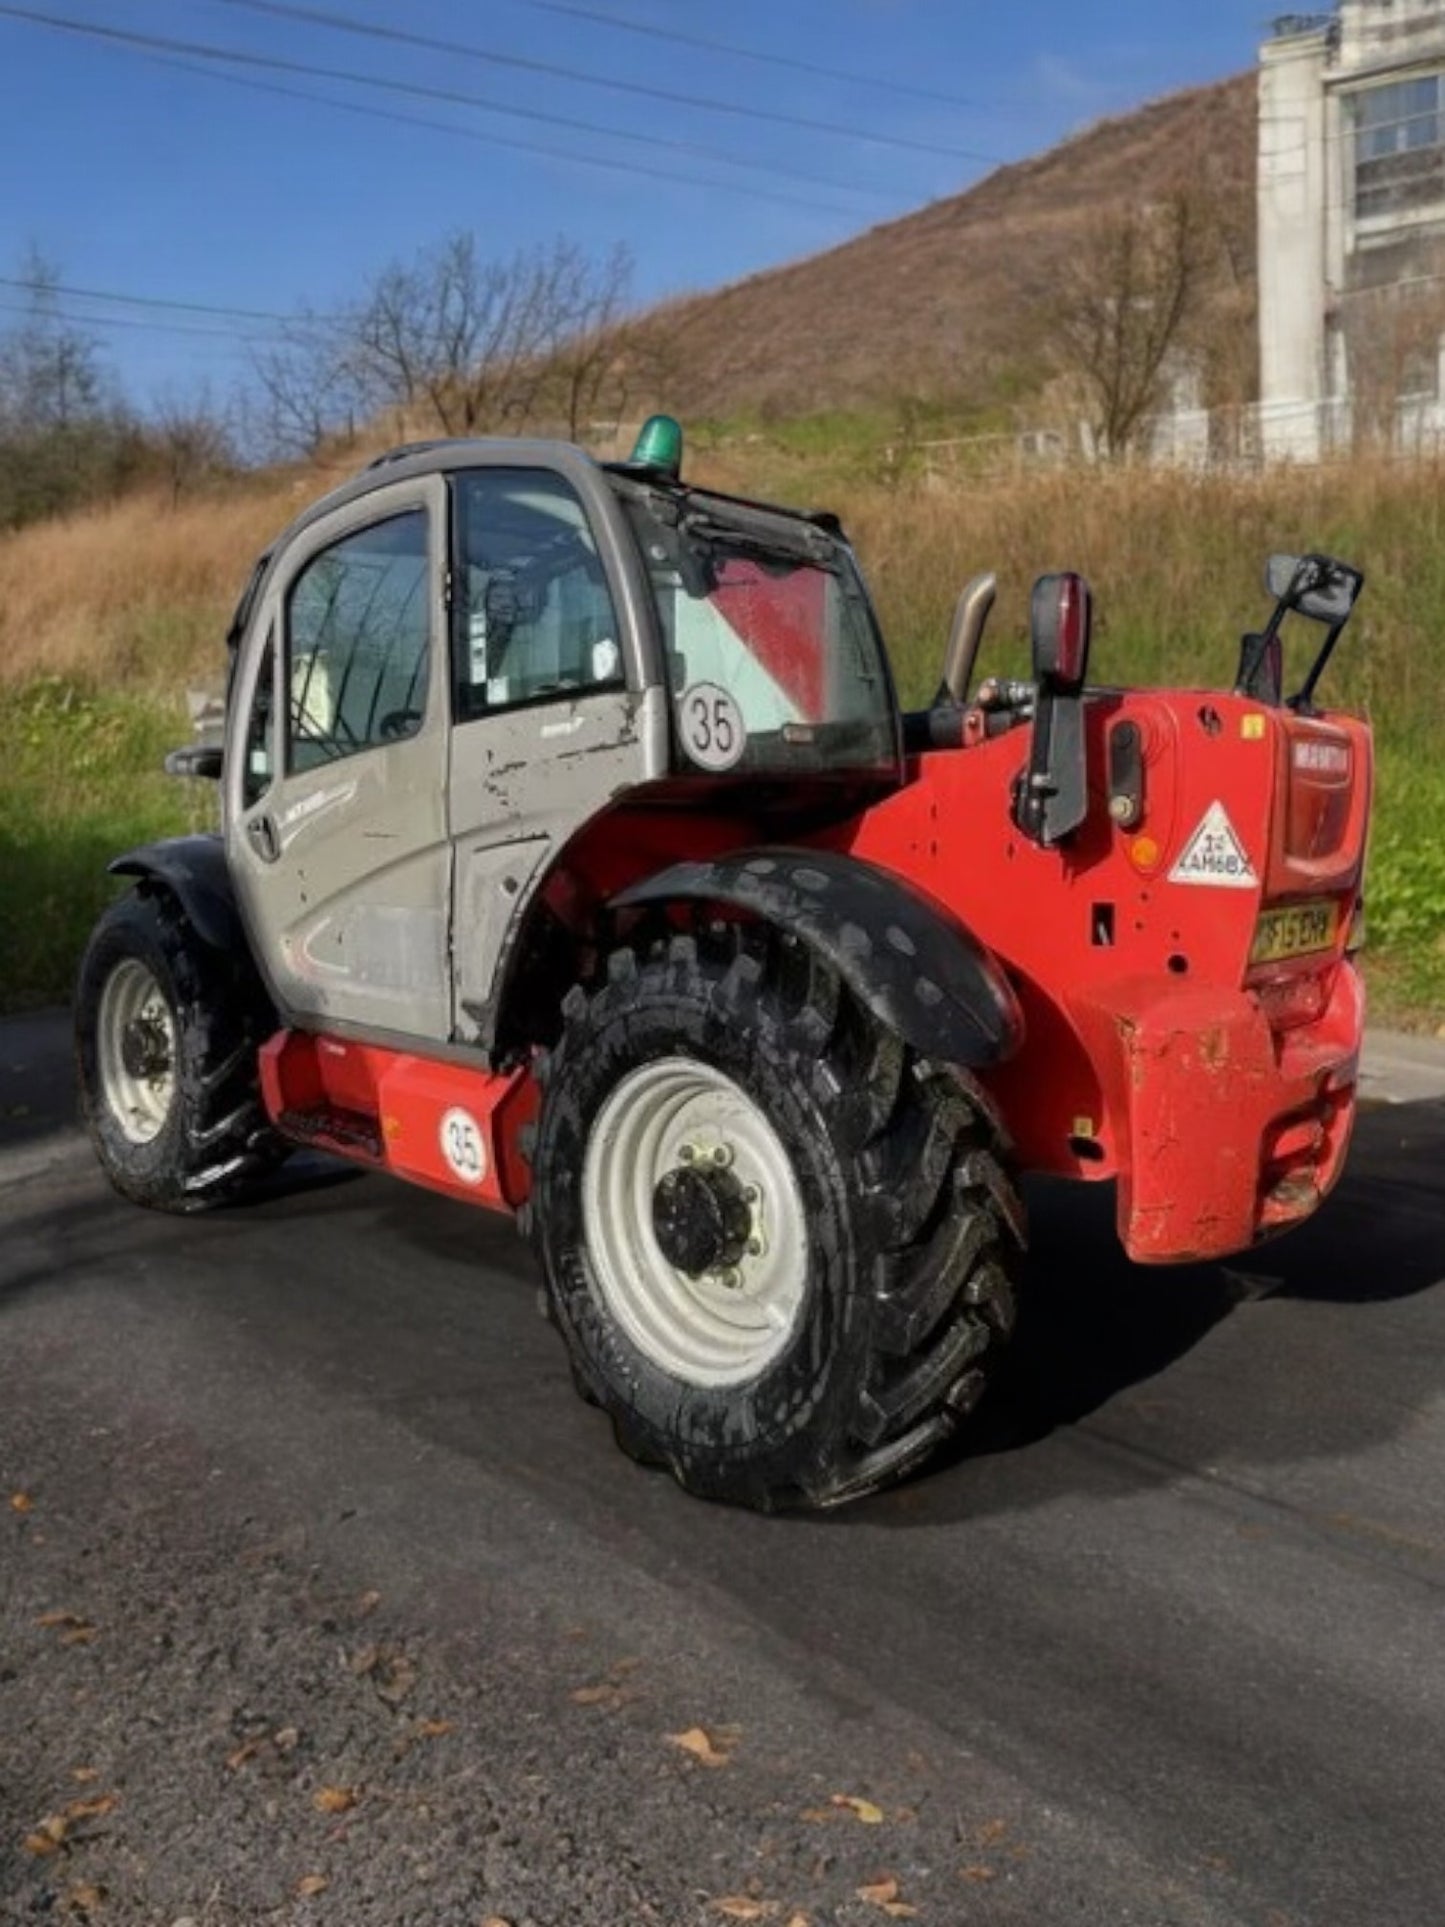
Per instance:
x=949, y=301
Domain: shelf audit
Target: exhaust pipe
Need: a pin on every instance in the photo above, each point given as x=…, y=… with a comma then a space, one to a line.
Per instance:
x=971, y=616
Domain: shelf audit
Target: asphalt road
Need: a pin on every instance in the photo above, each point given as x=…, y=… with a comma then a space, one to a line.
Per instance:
x=322, y=1597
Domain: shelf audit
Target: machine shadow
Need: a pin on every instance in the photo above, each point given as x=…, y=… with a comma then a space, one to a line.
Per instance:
x=1096, y=1325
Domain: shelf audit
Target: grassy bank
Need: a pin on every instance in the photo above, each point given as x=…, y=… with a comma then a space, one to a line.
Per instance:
x=105, y=618
x=80, y=781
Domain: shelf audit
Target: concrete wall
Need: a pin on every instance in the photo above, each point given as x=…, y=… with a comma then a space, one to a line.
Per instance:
x=1293, y=199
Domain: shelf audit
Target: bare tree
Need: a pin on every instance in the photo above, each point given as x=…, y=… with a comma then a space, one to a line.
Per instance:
x=306, y=384
x=191, y=438
x=1122, y=308
x=50, y=374
x=474, y=344
x=590, y=349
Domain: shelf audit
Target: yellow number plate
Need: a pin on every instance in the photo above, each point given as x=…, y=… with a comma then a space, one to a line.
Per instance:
x=1298, y=930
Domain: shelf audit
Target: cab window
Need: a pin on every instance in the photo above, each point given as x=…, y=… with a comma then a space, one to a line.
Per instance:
x=358, y=638
x=534, y=616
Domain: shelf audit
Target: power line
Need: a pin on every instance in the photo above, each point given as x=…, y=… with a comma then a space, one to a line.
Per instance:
x=41, y=288
x=670, y=175
x=872, y=81
x=369, y=30
x=234, y=336
x=152, y=43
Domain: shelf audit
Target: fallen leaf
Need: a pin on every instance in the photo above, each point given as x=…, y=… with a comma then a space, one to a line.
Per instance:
x=606, y=1695
x=60, y=1619
x=697, y=1742
x=863, y=1810
x=495, y=1920
x=991, y=1832
x=42, y=1844
x=21, y=1502
x=334, y=1799
x=977, y=1873
x=799, y=1920
x=92, y=1809
x=311, y=1883
x=286, y=1739
x=400, y=1679
x=884, y=1893
x=83, y=1775
x=85, y=1899
x=368, y=1603
x=79, y=1635
x=247, y=1750
x=820, y=1815
x=740, y=1907
x=433, y=1729
x=365, y=1660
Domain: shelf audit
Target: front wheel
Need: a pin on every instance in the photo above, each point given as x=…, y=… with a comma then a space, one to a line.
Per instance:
x=781, y=1247
x=167, y=1032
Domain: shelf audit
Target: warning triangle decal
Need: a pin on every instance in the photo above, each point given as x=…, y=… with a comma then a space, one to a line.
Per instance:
x=1215, y=856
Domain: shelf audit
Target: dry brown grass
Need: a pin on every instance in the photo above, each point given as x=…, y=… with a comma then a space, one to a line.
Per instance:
x=137, y=593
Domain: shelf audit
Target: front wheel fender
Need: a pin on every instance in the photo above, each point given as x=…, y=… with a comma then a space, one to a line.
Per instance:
x=906, y=957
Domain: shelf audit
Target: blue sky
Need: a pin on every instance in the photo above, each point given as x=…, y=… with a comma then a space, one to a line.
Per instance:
x=139, y=176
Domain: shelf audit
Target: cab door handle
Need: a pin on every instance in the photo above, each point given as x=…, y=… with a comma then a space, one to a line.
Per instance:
x=264, y=840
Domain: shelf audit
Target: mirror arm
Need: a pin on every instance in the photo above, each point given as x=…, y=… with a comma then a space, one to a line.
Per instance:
x=1303, y=701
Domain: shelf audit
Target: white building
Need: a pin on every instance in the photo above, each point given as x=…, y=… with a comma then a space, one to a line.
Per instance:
x=1352, y=227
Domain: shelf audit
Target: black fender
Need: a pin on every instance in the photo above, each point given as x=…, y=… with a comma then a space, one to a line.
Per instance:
x=906, y=957
x=194, y=869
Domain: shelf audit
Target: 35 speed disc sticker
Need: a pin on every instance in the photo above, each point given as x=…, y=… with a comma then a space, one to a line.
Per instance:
x=711, y=727
x=463, y=1146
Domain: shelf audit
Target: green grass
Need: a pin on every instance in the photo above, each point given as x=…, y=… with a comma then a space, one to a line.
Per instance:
x=80, y=781
x=1405, y=891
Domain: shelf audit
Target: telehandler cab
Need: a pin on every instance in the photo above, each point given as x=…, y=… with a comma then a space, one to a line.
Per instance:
x=576, y=861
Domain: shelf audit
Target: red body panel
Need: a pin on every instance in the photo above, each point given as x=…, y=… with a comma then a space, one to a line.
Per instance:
x=1219, y=1092
x=444, y=1125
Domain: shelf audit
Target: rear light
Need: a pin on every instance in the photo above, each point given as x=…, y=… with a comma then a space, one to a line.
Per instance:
x=1063, y=622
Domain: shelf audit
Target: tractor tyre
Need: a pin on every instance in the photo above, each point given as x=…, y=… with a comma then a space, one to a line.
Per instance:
x=167, y=1031
x=780, y=1246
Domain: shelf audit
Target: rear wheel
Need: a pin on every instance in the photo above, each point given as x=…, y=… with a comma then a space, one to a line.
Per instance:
x=167, y=1031
x=780, y=1246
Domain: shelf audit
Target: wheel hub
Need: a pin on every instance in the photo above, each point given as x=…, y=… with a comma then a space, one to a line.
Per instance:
x=145, y=1048
x=701, y=1219
x=695, y=1223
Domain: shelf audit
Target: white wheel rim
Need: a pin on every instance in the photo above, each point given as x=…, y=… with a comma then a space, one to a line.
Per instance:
x=727, y=1325
x=137, y=1051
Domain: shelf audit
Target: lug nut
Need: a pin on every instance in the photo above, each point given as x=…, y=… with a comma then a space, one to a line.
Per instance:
x=731, y=1279
x=751, y=1194
x=686, y=1153
x=755, y=1247
x=722, y=1154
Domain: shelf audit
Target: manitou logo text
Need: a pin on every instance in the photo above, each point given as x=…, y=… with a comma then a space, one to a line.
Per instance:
x=1214, y=855
x=1322, y=759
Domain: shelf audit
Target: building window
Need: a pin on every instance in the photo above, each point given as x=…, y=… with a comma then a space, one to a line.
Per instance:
x=1399, y=147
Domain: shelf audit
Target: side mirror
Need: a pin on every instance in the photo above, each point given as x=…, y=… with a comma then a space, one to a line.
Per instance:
x=1052, y=799
x=1314, y=585
x=1062, y=631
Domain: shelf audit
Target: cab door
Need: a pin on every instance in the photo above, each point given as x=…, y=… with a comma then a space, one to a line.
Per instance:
x=557, y=702
x=336, y=781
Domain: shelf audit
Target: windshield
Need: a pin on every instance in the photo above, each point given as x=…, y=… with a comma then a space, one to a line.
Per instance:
x=773, y=656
